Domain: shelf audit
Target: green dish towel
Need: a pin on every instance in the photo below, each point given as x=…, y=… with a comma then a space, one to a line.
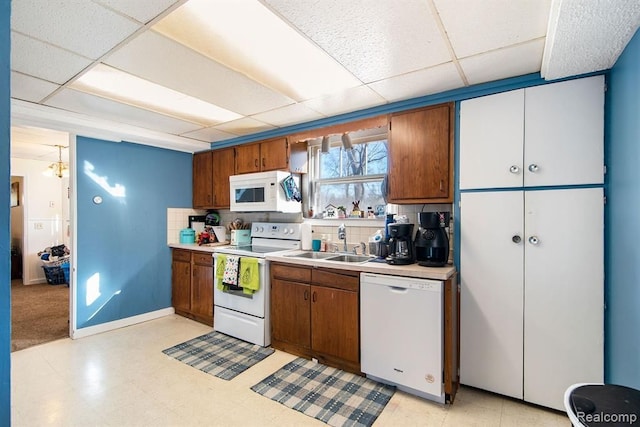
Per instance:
x=220, y=266
x=249, y=277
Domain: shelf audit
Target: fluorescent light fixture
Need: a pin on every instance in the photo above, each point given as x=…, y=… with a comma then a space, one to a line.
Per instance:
x=248, y=37
x=111, y=83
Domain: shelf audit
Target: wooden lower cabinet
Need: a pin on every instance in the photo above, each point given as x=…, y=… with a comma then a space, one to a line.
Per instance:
x=334, y=323
x=315, y=314
x=192, y=285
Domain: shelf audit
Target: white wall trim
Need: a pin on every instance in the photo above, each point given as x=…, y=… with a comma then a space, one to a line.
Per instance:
x=121, y=323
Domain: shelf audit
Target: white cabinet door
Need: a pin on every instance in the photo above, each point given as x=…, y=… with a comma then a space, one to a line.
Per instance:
x=491, y=136
x=564, y=133
x=539, y=136
x=564, y=282
x=491, y=304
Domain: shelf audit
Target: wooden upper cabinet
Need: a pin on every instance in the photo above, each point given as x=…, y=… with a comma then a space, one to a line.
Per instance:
x=202, y=180
x=247, y=158
x=421, y=155
x=272, y=154
x=223, y=168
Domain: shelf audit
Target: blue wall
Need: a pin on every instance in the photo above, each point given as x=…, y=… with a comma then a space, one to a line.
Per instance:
x=5, y=222
x=622, y=222
x=124, y=263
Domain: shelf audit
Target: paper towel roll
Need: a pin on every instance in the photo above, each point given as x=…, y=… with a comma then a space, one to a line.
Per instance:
x=305, y=236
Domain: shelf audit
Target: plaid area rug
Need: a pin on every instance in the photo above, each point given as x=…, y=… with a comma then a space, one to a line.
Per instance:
x=328, y=394
x=219, y=354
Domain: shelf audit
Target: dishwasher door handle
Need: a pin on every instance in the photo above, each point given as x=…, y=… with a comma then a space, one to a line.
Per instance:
x=398, y=289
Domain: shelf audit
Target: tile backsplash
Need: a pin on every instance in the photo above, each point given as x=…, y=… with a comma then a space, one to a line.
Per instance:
x=177, y=219
x=357, y=230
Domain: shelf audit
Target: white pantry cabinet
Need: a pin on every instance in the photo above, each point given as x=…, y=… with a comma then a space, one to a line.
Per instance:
x=532, y=291
x=532, y=240
x=538, y=136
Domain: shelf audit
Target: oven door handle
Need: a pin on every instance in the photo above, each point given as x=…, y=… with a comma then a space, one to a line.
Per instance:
x=261, y=261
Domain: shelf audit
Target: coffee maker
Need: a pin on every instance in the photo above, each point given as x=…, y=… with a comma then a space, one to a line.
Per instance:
x=432, y=243
x=400, y=244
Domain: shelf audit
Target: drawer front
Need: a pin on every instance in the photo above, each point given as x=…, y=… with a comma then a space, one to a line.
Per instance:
x=291, y=273
x=181, y=255
x=204, y=258
x=335, y=280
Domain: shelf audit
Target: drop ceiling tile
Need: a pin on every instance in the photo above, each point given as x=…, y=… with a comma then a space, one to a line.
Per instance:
x=161, y=60
x=83, y=27
x=598, y=31
x=347, y=101
x=38, y=59
x=479, y=26
x=419, y=83
x=244, y=126
x=30, y=88
x=142, y=11
x=373, y=40
x=209, y=134
x=289, y=115
x=79, y=102
x=504, y=63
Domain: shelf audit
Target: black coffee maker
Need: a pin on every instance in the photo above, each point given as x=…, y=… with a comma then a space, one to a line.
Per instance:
x=432, y=243
x=400, y=243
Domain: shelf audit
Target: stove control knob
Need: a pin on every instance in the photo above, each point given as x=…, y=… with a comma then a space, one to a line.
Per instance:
x=285, y=231
x=290, y=230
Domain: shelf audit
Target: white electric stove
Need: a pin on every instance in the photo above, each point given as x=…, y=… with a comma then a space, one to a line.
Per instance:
x=247, y=316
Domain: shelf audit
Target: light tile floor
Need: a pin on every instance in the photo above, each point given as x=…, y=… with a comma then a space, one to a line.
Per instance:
x=122, y=378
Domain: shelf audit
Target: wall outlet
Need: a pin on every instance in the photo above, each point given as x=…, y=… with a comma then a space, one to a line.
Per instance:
x=38, y=225
x=51, y=204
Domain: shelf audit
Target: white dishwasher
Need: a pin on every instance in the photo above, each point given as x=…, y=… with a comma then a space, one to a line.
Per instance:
x=401, y=328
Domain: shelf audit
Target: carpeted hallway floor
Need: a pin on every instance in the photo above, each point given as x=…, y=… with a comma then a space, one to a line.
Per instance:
x=39, y=314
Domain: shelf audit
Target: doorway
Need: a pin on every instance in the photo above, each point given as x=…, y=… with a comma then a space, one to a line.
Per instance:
x=40, y=219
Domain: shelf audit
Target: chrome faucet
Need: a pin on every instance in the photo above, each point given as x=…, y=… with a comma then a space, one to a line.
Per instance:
x=342, y=235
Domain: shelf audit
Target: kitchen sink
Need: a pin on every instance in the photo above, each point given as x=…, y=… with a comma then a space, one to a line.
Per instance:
x=349, y=258
x=312, y=255
x=330, y=256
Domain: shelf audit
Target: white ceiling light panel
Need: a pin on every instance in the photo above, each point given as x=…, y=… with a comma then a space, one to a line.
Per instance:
x=249, y=38
x=73, y=100
x=166, y=62
x=114, y=84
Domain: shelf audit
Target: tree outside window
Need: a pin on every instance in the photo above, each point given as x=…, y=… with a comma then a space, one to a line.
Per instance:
x=344, y=176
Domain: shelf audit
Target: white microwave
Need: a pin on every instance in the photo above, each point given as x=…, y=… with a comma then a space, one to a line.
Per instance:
x=262, y=192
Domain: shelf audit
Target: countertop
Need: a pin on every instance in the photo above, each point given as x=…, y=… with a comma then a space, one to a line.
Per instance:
x=412, y=270
x=208, y=247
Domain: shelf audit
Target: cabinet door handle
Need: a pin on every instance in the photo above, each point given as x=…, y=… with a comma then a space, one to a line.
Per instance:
x=442, y=185
x=256, y=162
x=534, y=240
x=306, y=295
x=533, y=168
x=314, y=297
x=516, y=239
x=514, y=169
x=263, y=162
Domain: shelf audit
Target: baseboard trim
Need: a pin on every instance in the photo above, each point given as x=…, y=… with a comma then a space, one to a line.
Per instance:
x=121, y=323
